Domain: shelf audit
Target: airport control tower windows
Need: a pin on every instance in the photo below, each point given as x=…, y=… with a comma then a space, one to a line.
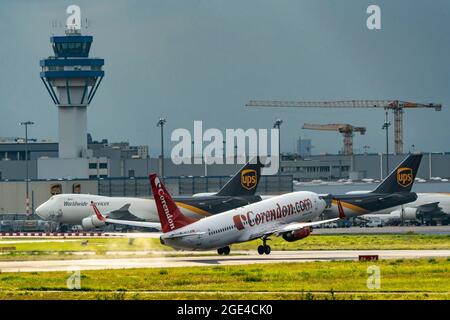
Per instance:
x=71, y=46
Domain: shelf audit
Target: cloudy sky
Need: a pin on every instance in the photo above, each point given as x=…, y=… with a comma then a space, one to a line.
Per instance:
x=204, y=59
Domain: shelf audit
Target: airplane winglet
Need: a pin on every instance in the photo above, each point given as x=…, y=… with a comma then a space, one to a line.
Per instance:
x=340, y=209
x=97, y=212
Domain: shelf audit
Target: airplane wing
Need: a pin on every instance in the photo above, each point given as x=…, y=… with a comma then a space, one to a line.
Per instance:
x=181, y=235
x=428, y=207
x=122, y=209
x=300, y=225
x=285, y=228
x=362, y=218
x=154, y=225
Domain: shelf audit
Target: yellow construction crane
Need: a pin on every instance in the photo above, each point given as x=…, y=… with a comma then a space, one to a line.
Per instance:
x=346, y=130
x=395, y=105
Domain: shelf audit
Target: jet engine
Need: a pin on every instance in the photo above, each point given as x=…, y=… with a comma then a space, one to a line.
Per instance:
x=408, y=213
x=297, y=234
x=92, y=222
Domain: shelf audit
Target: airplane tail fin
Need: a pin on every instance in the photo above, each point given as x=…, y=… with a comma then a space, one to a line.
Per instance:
x=402, y=178
x=245, y=181
x=169, y=214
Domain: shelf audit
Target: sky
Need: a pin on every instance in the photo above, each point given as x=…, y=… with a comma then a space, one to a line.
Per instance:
x=203, y=60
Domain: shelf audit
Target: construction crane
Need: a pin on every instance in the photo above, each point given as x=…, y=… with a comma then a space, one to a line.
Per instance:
x=395, y=105
x=346, y=130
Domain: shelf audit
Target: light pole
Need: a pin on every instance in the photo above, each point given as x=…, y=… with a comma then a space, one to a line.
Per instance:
x=27, y=200
x=386, y=127
x=277, y=125
x=161, y=123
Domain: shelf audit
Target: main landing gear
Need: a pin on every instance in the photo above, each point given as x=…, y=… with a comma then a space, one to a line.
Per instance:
x=224, y=251
x=264, y=249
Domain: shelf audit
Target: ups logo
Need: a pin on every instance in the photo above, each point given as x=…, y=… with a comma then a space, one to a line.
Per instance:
x=404, y=176
x=249, y=179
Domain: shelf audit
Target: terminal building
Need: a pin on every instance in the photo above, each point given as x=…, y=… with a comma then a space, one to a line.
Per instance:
x=360, y=166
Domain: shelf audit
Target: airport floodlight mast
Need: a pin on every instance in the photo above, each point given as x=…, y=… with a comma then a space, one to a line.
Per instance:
x=346, y=130
x=161, y=123
x=386, y=126
x=27, y=199
x=396, y=106
x=277, y=125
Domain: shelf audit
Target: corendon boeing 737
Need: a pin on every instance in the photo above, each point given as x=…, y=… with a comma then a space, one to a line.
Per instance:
x=288, y=215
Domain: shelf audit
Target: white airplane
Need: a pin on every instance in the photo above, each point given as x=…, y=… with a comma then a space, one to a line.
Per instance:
x=288, y=215
x=76, y=209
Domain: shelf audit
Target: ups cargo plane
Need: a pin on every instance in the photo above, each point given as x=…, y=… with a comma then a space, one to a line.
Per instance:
x=393, y=191
x=75, y=209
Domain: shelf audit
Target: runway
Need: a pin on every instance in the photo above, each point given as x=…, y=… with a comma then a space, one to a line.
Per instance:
x=197, y=260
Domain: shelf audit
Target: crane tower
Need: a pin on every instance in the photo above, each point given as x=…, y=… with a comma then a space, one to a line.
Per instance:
x=347, y=131
x=396, y=106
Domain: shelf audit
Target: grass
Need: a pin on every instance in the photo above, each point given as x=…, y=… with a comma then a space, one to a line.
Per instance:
x=400, y=279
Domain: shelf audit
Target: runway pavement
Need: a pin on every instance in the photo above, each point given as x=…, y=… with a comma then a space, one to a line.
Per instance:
x=212, y=260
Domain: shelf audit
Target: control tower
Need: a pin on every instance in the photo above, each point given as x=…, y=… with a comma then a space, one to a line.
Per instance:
x=72, y=79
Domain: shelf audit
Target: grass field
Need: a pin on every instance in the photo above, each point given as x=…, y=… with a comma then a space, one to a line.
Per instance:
x=400, y=279
x=99, y=247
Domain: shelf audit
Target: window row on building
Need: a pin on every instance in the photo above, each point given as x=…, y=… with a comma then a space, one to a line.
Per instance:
x=310, y=169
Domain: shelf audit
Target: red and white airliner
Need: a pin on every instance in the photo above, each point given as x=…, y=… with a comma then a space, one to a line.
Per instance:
x=288, y=215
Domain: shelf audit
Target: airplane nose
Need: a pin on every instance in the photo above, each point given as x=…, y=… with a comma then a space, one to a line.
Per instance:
x=42, y=211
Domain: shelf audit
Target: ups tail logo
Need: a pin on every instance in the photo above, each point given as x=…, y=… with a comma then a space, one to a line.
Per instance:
x=404, y=176
x=249, y=179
